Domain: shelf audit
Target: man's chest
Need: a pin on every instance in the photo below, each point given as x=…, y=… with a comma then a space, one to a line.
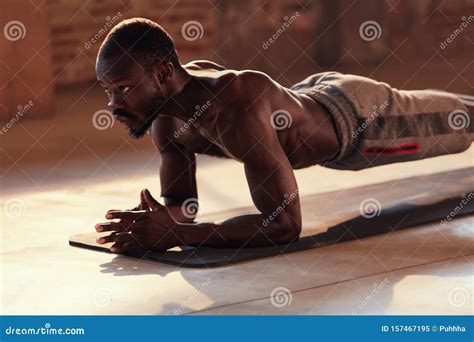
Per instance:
x=202, y=142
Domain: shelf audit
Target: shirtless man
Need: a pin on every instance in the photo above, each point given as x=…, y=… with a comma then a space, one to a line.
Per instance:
x=335, y=120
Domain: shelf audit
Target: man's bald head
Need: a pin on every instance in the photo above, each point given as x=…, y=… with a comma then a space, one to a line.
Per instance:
x=136, y=66
x=143, y=40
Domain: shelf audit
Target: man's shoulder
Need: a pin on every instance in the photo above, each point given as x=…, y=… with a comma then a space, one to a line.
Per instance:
x=161, y=132
x=247, y=106
x=203, y=64
x=244, y=87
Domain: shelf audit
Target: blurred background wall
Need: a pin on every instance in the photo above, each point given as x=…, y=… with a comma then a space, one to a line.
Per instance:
x=48, y=50
x=324, y=35
x=63, y=36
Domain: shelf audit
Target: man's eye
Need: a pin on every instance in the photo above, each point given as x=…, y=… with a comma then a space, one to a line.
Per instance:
x=124, y=89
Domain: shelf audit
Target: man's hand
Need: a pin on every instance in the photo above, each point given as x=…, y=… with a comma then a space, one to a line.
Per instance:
x=144, y=205
x=137, y=231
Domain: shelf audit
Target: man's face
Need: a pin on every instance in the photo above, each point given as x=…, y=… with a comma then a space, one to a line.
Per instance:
x=134, y=97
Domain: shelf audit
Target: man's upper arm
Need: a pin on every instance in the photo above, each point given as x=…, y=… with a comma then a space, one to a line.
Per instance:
x=177, y=175
x=177, y=167
x=269, y=173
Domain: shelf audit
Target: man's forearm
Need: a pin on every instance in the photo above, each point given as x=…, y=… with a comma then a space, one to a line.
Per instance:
x=240, y=231
x=176, y=212
x=180, y=214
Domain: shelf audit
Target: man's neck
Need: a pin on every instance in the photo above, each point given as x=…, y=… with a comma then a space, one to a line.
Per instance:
x=187, y=102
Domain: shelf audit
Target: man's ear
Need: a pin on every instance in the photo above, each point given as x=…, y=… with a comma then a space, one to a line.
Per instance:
x=163, y=72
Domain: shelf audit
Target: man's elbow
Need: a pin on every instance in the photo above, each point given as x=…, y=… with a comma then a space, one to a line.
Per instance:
x=288, y=232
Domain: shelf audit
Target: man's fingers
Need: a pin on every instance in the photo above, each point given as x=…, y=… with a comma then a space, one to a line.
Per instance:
x=143, y=204
x=107, y=239
x=124, y=238
x=125, y=247
x=113, y=226
x=150, y=201
x=119, y=239
x=124, y=214
x=126, y=243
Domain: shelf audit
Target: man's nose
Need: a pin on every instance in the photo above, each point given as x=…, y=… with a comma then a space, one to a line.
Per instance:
x=115, y=101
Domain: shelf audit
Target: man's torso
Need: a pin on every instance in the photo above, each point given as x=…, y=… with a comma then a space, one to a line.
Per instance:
x=305, y=130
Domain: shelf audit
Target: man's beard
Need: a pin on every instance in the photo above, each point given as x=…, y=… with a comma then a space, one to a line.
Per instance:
x=152, y=111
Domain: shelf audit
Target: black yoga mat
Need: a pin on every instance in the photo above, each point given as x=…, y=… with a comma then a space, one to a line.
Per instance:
x=335, y=217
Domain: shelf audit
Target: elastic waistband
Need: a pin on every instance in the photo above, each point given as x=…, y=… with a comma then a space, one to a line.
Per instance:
x=343, y=112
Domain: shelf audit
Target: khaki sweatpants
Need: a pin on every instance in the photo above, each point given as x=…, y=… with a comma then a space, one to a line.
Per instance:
x=378, y=124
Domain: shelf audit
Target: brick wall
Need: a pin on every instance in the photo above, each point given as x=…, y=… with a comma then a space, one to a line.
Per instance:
x=236, y=33
x=26, y=76
x=77, y=30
